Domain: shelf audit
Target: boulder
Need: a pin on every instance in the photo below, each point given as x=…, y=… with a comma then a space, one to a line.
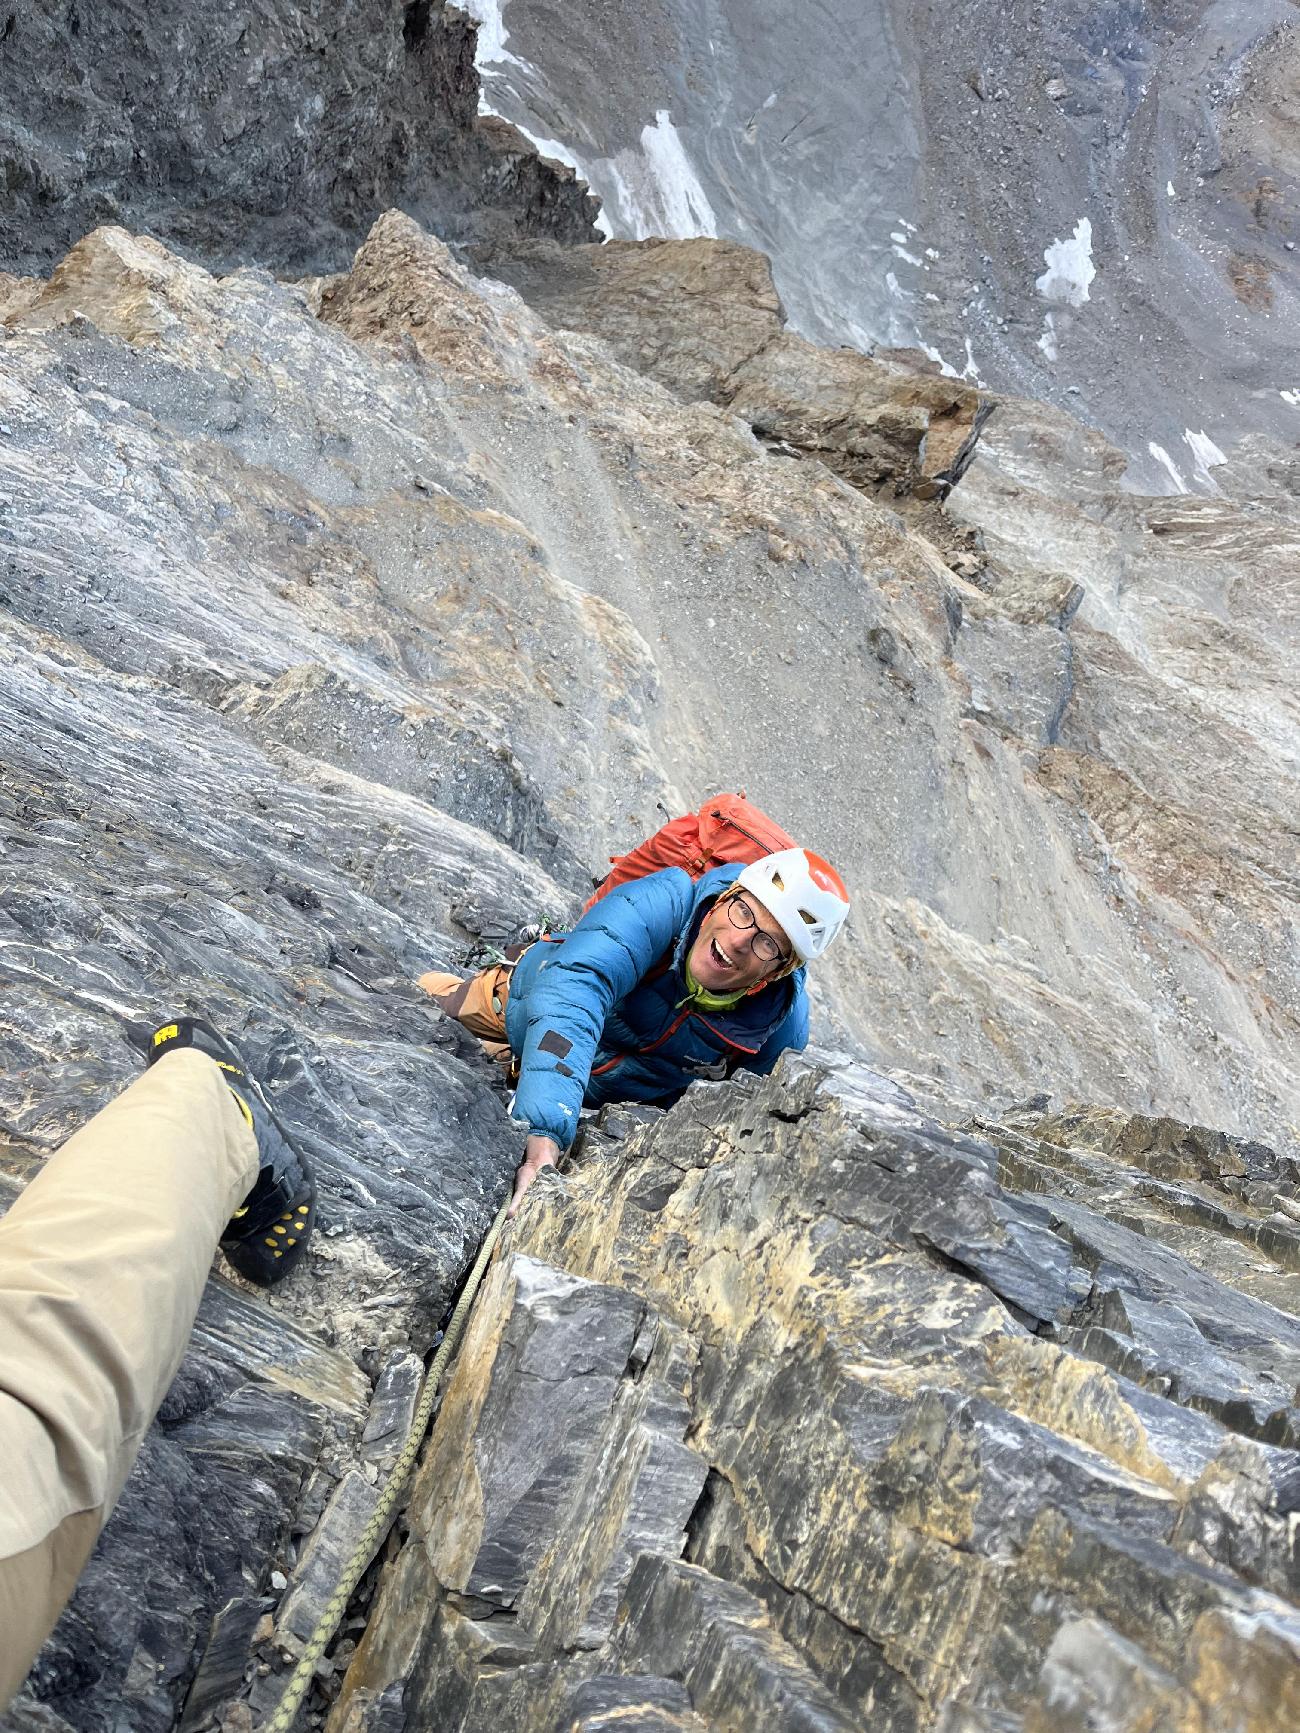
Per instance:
x=703, y=318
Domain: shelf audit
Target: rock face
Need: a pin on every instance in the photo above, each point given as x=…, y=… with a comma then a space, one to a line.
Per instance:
x=347, y=622
x=838, y=1418
x=259, y=133
x=424, y=538
x=1096, y=209
x=704, y=319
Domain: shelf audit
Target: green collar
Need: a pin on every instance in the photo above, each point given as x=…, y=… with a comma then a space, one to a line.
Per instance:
x=706, y=1001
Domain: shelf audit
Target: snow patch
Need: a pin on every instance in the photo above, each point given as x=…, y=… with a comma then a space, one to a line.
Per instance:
x=902, y=251
x=492, y=35
x=1291, y=397
x=1205, y=453
x=1169, y=190
x=947, y=371
x=1162, y=456
x=970, y=370
x=685, y=207
x=655, y=190
x=1047, y=342
x=490, y=52
x=1069, y=267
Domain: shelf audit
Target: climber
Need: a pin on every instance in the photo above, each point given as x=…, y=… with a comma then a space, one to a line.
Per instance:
x=662, y=981
x=102, y=1263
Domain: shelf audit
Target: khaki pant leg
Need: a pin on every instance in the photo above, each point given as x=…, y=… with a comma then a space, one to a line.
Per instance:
x=102, y=1263
x=478, y=1004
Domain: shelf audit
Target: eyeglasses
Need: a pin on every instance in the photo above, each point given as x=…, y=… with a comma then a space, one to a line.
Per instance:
x=762, y=944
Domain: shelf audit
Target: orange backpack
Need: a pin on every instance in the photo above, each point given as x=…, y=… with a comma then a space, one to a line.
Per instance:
x=726, y=828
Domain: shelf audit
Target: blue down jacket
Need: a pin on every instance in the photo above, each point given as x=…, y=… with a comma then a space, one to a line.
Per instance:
x=591, y=1018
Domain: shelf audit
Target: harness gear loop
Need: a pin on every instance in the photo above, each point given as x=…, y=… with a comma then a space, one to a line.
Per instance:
x=373, y=1534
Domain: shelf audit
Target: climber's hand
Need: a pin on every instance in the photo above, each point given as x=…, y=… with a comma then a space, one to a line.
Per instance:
x=539, y=1152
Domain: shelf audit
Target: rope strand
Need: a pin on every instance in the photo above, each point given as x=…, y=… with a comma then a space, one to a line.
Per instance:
x=377, y=1527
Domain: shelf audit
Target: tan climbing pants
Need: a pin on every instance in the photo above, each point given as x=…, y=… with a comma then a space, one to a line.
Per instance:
x=102, y=1262
x=478, y=1004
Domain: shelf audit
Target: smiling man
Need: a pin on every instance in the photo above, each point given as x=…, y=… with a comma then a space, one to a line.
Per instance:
x=664, y=980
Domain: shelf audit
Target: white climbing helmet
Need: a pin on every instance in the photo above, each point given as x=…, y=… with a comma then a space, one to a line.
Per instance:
x=804, y=893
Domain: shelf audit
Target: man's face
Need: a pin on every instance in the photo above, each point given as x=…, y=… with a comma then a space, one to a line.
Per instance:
x=722, y=958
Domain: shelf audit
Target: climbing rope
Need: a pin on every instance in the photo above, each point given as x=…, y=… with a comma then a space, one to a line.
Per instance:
x=377, y=1527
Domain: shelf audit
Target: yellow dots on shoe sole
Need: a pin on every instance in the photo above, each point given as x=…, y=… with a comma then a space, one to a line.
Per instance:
x=280, y=1228
x=291, y=1242
x=268, y=1241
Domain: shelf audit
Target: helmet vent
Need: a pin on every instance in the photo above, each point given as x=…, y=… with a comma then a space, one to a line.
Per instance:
x=804, y=894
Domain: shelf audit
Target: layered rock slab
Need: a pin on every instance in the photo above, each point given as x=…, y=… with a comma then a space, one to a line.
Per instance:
x=122, y=905
x=927, y=1502
x=490, y=565
x=557, y=1458
x=162, y=853
x=704, y=318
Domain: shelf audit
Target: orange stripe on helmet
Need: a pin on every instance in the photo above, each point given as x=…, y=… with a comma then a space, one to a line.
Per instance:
x=824, y=875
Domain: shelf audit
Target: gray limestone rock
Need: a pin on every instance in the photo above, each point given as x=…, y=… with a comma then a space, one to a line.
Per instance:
x=916, y=1513
x=225, y=1661
x=621, y=1705
x=346, y=623
x=644, y=1482
x=557, y=1459
x=392, y=1408
x=331, y=1545
x=685, y=1623
x=259, y=133
x=491, y=1500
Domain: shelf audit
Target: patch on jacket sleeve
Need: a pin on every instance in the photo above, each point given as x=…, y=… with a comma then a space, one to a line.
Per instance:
x=554, y=1042
x=563, y=1069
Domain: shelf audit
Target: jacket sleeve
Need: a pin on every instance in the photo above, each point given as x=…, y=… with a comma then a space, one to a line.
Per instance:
x=791, y=1032
x=614, y=944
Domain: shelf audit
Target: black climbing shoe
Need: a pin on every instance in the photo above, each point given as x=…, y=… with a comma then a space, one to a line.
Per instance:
x=267, y=1236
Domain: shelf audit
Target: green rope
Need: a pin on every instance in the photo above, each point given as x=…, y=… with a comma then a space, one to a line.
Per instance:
x=375, y=1530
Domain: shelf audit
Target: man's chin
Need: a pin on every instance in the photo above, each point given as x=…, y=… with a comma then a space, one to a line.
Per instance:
x=709, y=976
x=716, y=980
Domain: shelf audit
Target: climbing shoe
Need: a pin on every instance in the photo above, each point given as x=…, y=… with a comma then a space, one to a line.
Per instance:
x=267, y=1236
